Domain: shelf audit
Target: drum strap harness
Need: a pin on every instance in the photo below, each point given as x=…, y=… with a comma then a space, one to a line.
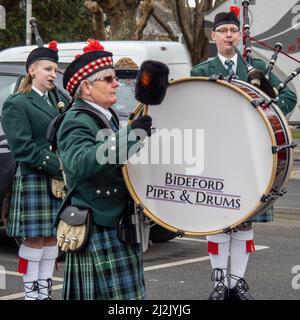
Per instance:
x=128, y=225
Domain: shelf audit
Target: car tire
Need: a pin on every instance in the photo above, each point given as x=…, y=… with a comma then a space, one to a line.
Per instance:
x=160, y=234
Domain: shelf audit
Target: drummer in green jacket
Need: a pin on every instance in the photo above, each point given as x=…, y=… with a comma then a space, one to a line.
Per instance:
x=226, y=34
x=107, y=269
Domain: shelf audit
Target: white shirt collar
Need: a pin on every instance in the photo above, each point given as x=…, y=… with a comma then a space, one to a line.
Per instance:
x=39, y=92
x=234, y=59
x=101, y=109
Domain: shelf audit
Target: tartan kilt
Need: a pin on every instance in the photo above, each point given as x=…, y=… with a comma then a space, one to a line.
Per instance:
x=265, y=216
x=32, y=208
x=106, y=270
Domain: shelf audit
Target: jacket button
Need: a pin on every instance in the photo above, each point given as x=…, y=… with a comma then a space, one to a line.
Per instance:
x=113, y=138
x=108, y=192
x=40, y=168
x=44, y=162
x=47, y=157
x=98, y=191
x=113, y=148
x=115, y=190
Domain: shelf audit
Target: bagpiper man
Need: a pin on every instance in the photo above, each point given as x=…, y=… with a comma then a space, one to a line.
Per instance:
x=226, y=34
x=25, y=118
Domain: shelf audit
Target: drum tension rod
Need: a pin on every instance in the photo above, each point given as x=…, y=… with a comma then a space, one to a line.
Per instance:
x=267, y=198
x=227, y=230
x=229, y=79
x=276, y=149
x=180, y=233
x=140, y=208
x=272, y=194
x=281, y=192
x=215, y=77
x=258, y=103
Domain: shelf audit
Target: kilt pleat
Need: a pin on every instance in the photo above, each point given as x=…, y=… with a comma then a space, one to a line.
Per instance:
x=106, y=270
x=265, y=216
x=33, y=209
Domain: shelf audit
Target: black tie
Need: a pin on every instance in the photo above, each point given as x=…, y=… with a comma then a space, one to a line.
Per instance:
x=229, y=64
x=113, y=124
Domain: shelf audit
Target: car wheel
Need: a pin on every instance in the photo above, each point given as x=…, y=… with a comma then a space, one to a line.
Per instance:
x=160, y=234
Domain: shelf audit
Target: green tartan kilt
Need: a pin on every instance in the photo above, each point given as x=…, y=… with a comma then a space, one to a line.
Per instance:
x=106, y=270
x=266, y=216
x=32, y=209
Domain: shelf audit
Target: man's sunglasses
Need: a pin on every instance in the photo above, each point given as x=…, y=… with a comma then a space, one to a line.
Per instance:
x=108, y=79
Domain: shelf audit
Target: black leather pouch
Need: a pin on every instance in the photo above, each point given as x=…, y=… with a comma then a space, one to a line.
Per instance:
x=74, y=229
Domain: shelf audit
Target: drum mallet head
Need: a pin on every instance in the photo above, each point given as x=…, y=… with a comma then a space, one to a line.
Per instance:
x=152, y=82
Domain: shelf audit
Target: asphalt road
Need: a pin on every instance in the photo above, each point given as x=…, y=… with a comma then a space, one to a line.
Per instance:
x=180, y=269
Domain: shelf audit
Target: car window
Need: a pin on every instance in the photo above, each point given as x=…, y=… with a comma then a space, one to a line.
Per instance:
x=126, y=97
x=7, y=87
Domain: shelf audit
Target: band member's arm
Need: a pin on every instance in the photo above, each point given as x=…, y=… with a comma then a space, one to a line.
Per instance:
x=25, y=149
x=287, y=98
x=84, y=152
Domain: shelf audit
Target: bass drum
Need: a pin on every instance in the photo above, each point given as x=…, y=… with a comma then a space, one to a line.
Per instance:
x=215, y=160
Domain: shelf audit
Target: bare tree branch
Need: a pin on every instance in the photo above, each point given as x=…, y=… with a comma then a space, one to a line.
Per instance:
x=146, y=10
x=182, y=13
x=164, y=25
x=98, y=24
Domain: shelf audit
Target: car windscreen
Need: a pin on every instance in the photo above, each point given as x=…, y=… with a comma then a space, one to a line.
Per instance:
x=126, y=101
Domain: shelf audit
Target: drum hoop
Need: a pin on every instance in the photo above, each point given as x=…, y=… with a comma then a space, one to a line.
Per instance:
x=151, y=215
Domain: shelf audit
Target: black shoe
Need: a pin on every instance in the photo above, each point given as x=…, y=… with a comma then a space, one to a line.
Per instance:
x=30, y=288
x=48, y=288
x=240, y=291
x=220, y=291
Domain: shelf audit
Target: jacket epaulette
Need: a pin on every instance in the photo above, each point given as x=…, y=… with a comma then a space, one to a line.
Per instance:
x=203, y=63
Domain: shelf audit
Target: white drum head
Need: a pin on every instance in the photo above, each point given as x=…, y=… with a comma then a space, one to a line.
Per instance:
x=235, y=164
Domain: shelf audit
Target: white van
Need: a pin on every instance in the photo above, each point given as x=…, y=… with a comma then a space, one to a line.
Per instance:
x=173, y=54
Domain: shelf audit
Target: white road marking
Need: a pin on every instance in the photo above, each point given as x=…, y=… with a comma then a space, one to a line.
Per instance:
x=21, y=295
x=13, y=273
x=295, y=175
x=150, y=268
x=287, y=208
x=188, y=261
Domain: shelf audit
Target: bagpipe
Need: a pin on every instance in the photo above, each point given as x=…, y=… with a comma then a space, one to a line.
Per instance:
x=257, y=77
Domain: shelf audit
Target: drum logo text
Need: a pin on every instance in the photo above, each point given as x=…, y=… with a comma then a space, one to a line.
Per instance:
x=194, y=190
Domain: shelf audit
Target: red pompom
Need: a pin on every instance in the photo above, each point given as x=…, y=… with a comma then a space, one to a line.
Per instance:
x=93, y=45
x=235, y=10
x=53, y=45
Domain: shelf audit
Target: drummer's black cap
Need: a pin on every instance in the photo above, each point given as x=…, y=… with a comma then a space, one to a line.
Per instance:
x=225, y=18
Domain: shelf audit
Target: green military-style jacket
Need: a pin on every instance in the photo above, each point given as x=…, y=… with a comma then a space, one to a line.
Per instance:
x=287, y=99
x=25, y=119
x=93, y=182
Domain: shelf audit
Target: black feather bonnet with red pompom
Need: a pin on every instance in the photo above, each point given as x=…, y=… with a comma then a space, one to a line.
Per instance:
x=93, y=59
x=152, y=82
x=43, y=53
